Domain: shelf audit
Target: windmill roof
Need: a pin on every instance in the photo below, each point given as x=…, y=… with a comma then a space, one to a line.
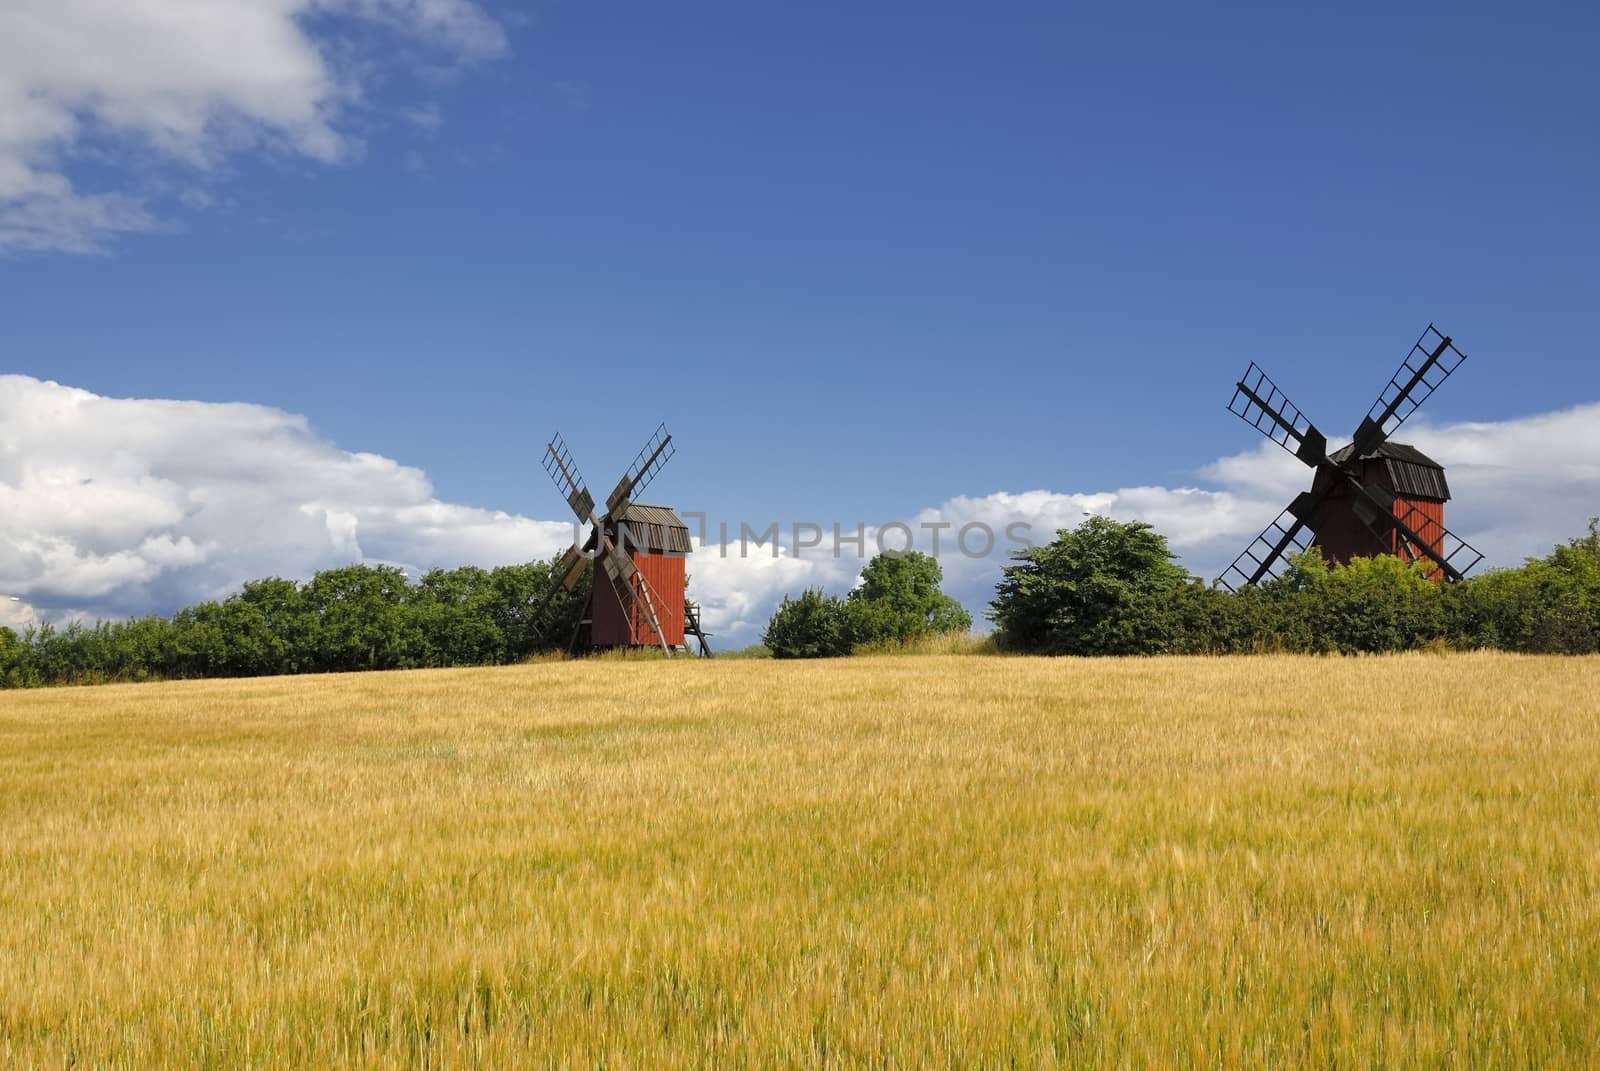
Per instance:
x=652, y=528
x=1413, y=473
x=1388, y=451
x=640, y=513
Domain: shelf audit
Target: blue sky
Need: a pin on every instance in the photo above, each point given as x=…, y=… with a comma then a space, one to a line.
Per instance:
x=861, y=258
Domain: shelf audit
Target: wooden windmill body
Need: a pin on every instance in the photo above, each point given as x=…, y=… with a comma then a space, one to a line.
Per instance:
x=1414, y=479
x=657, y=541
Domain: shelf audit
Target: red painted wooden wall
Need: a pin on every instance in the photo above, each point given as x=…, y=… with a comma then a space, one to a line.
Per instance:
x=611, y=627
x=1342, y=536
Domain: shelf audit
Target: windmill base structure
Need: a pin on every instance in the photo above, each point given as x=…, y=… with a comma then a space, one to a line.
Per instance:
x=1414, y=479
x=657, y=541
x=637, y=553
x=1372, y=497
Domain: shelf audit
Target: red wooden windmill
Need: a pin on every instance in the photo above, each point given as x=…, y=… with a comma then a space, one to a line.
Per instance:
x=1373, y=496
x=637, y=597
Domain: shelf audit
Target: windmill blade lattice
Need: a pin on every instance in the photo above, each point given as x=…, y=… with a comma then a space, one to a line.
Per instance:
x=1264, y=558
x=1456, y=557
x=568, y=480
x=651, y=459
x=546, y=604
x=1258, y=402
x=1430, y=362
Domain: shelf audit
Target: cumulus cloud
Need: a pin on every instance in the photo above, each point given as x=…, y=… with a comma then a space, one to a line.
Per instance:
x=14, y=613
x=111, y=507
x=121, y=506
x=186, y=81
x=738, y=585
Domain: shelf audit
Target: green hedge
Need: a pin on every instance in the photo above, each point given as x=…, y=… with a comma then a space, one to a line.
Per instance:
x=1102, y=588
x=355, y=618
x=1112, y=588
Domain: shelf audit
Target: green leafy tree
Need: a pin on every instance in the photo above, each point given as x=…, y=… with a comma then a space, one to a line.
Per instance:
x=516, y=608
x=13, y=658
x=811, y=626
x=76, y=654
x=455, y=612
x=1550, y=605
x=362, y=620
x=1209, y=620
x=1575, y=584
x=899, y=598
x=1103, y=588
x=139, y=650
x=249, y=646
x=199, y=642
x=281, y=628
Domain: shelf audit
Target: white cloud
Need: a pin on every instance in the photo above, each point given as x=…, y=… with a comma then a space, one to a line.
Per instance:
x=427, y=117
x=119, y=506
x=15, y=614
x=188, y=81
x=738, y=587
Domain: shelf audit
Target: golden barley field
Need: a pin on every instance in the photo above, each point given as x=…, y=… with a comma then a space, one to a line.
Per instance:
x=889, y=862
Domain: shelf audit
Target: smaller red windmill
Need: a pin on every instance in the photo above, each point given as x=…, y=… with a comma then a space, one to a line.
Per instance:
x=637, y=597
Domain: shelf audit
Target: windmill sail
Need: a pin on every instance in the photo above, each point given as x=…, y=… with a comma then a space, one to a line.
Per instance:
x=1258, y=402
x=568, y=480
x=564, y=576
x=1264, y=558
x=650, y=460
x=571, y=567
x=1425, y=368
x=1454, y=555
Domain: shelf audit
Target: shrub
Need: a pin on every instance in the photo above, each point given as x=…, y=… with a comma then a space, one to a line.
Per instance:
x=1102, y=588
x=811, y=626
x=897, y=602
x=1376, y=604
x=1550, y=605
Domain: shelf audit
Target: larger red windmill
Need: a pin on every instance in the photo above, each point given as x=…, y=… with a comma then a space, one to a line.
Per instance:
x=1373, y=496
